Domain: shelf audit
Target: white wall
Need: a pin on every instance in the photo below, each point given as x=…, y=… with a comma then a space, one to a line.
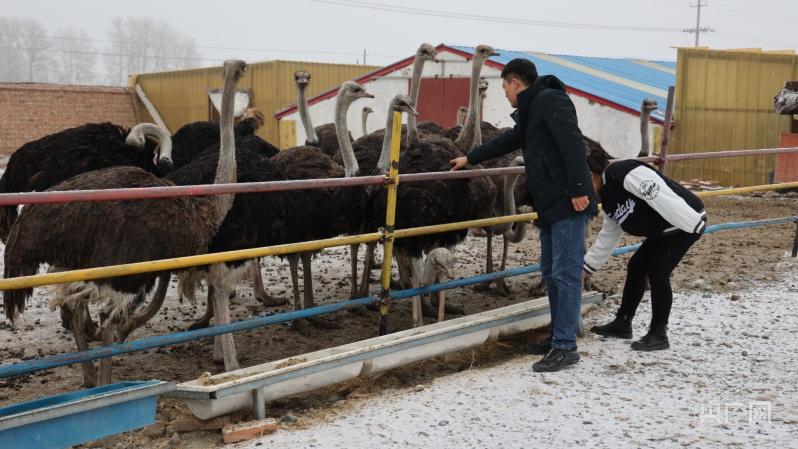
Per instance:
x=617, y=131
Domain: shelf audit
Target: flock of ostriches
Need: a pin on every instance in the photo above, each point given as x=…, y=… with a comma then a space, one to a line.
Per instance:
x=79, y=235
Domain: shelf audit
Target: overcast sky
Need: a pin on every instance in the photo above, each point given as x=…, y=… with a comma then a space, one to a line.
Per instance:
x=331, y=31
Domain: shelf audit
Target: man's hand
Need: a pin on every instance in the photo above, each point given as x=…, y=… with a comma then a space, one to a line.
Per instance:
x=458, y=163
x=580, y=203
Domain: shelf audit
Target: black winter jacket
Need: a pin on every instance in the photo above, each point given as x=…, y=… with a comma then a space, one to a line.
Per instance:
x=546, y=129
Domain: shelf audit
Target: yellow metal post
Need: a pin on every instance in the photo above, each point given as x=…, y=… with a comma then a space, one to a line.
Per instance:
x=391, y=182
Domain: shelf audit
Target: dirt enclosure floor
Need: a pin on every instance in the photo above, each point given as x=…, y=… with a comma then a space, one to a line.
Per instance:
x=727, y=261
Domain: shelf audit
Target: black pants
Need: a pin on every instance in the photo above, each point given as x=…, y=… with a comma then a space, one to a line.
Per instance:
x=655, y=260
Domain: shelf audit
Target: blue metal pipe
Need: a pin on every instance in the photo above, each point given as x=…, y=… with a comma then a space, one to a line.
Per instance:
x=253, y=323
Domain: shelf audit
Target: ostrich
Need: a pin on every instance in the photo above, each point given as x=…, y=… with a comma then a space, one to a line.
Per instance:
x=255, y=220
x=192, y=139
x=365, y=115
x=90, y=234
x=649, y=105
x=45, y=162
x=334, y=211
x=324, y=137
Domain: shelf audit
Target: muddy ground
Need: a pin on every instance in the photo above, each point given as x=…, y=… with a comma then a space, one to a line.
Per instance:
x=726, y=261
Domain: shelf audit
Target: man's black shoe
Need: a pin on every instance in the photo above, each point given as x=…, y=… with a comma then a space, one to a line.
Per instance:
x=556, y=359
x=655, y=340
x=620, y=327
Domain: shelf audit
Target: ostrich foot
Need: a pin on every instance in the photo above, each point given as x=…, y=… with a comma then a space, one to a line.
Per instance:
x=501, y=288
x=302, y=326
x=429, y=308
x=483, y=287
x=539, y=290
x=323, y=322
x=270, y=301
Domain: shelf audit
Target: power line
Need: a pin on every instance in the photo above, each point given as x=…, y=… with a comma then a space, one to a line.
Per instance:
x=484, y=18
x=260, y=50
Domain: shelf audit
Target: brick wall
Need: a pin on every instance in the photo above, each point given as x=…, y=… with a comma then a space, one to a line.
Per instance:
x=29, y=110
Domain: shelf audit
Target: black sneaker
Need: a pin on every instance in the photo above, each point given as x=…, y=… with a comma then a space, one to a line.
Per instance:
x=538, y=347
x=555, y=360
x=655, y=340
x=620, y=327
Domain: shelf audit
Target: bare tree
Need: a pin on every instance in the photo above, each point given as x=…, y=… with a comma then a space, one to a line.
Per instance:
x=24, y=50
x=75, y=57
x=139, y=45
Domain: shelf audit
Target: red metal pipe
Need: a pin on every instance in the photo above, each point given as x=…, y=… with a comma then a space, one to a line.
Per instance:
x=11, y=199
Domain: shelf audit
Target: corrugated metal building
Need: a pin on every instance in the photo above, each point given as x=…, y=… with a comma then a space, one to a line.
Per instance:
x=724, y=101
x=607, y=93
x=181, y=96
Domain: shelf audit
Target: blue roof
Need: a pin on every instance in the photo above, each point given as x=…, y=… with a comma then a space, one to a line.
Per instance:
x=625, y=82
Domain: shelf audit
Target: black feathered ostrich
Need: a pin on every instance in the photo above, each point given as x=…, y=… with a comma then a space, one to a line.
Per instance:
x=333, y=212
x=45, y=162
x=192, y=139
x=92, y=234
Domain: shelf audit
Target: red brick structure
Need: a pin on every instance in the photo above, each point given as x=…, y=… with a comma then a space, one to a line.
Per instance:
x=31, y=110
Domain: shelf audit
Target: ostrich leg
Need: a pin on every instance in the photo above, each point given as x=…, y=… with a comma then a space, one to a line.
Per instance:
x=415, y=266
x=76, y=322
x=353, y=250
x=485, y=286
x=501, y=286
x=258, y=289
x=299, y=324
x=307, y=278
x=108, y=336
x=221, y=312
x=368, y=266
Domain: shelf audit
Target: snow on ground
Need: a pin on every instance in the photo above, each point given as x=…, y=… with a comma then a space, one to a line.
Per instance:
x=731, y=363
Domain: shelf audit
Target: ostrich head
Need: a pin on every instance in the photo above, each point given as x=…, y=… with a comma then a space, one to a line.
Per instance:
x=403, y=103
x=163, y=156
x=234, y=69
x=367, y=110
x=256, y=114
x=351, y=91
x=301, y=78
x=484, y=52
x=649, y=105
x=483, y=86
x=427, y=52
x=441, y=261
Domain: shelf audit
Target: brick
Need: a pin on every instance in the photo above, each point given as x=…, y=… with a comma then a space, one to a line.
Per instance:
x=191, y=423
x=248, y=430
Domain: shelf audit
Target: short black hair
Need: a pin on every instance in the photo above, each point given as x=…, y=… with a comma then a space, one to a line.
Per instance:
x=522, y=69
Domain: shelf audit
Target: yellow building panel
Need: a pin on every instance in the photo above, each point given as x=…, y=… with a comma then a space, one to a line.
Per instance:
x=724, y=101
x=181, y=96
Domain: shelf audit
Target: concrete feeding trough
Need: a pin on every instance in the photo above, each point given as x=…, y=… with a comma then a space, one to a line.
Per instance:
x=63, y=420
x=221, y=394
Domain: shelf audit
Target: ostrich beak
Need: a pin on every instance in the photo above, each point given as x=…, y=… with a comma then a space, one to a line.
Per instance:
x=447, y=272
x=366, y=95
x=495, y=53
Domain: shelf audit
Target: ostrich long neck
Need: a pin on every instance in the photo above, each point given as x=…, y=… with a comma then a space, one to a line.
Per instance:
x=385, y=155
x=478, y=125
x=158, y=133
x=342, y=132
x=415, y=86
x=302, y=104
x=226, y=167
x=645, y=144
x=517, y=231
x=365, y=121
x=465, y=140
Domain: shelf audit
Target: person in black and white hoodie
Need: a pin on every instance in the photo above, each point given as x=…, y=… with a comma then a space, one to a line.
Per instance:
x=640, y=201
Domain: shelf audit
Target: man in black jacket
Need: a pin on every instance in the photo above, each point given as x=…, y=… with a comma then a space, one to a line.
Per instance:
x=559, y=184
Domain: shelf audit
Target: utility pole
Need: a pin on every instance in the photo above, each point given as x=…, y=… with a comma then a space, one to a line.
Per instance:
x=698, y=30
x=364, y=56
